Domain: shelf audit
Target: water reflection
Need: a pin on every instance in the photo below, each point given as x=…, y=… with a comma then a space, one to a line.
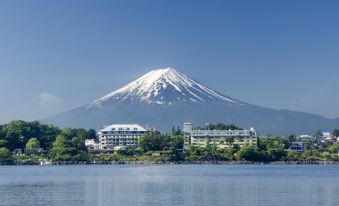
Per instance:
x=170, y=185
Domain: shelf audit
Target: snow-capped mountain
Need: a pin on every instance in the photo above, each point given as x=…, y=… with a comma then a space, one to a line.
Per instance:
x=164, y=87
x=164, y=98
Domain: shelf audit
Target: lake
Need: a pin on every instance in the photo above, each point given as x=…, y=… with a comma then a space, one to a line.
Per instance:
x=169, y=185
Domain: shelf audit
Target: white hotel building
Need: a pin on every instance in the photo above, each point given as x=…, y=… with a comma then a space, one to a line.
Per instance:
x=219, y=138
x=120, y=135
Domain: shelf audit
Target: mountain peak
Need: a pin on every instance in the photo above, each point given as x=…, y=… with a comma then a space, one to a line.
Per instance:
x=156, y=74
x=162, y=71
x=164, y=87
x=165, y=97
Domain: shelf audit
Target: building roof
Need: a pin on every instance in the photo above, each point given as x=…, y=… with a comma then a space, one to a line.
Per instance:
x=123, y=127
x=305, y=136
x=221, y=133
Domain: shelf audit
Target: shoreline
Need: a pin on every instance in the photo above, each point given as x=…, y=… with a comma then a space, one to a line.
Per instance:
x=176, y=163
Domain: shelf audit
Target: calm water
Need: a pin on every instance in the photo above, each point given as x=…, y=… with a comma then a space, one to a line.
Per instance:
x=169, y=185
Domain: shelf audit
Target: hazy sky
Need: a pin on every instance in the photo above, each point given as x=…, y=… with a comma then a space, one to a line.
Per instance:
x=57, y=55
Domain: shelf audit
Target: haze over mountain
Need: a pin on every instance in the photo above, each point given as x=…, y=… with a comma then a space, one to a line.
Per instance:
x=165, y=97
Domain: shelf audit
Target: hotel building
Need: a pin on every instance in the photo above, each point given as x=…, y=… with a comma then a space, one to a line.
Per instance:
x=120, y=135
x=219, y=138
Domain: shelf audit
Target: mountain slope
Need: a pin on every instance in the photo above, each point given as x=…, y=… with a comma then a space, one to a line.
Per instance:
x=164, y=86
x=163, y=98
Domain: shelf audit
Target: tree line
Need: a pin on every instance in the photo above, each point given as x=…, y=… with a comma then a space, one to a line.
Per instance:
x=68, y=144
x=46, y=140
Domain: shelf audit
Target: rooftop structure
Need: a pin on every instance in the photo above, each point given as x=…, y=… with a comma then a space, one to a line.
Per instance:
x=116, y=128
x=306, y=138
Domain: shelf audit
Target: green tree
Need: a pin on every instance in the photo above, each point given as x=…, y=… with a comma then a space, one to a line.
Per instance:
x=79, y=143
x=176, y=131
x=293, y=156
x=69, y=133
x=63, y=150
x=177, y=142
x=275, y=153
x=334, y=149
x=154, y=141
x=81, y=134
x=61, y=142
x=229, y=153
x=194, y=153
x=173, y=129
x=309, y=144
x=229, y=141
x=208, y=149
x=222, y=126
x=5, y=156
x=47, y=135
x=249, y=153
x=126, y=151
x=311, y=155
x=273, y=148
x=91, y=134
x=14, y=140
x=33, y=143
x=3, y=143
x=17, y=133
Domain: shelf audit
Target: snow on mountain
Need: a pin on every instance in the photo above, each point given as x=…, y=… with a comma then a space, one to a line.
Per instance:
x=164, y=87
x=163, y=98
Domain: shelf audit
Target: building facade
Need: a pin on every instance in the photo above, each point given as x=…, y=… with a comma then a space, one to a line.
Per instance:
x=297, y=146
x=117, y=136
x=219, y=138
x=92, y=144
x=305, y=138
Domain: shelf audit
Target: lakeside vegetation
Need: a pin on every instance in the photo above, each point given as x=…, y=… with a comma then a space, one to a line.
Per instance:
x=46, y=142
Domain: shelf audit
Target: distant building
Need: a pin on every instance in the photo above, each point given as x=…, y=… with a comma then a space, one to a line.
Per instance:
x=120, y=135
x=220, y=138
x=305, y=138
x=18, y=152
x=332, y=139
x=92, y=144
x=297, y=146
x=326, y=134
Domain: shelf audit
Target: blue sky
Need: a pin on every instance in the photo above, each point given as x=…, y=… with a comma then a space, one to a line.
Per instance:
x=57, y=55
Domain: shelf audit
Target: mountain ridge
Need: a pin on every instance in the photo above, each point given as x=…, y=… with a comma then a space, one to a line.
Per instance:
x=164, y=97
x=151, y=88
